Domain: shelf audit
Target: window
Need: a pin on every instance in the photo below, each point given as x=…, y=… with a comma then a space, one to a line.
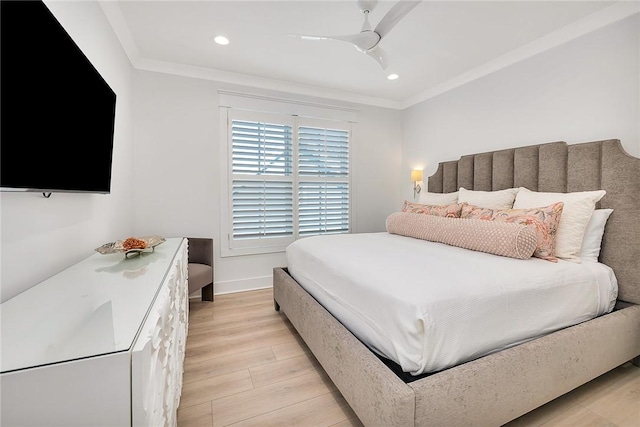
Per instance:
x=288, y=177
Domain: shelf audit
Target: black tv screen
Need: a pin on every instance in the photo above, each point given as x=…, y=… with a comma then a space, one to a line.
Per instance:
x=57, y=112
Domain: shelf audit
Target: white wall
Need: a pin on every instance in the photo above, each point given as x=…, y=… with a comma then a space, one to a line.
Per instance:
x=177, y=173
x=39, y=236
x=585, y=90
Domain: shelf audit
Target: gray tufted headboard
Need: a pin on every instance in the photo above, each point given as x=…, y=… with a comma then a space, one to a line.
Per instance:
x=558, y=167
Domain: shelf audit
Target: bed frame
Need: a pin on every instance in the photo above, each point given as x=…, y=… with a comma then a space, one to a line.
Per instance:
x=502, y=386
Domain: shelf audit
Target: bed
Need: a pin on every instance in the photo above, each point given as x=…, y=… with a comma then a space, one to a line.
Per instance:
x=502, y=383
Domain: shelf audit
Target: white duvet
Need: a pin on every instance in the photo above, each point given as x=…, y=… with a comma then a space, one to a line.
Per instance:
x=429, y=306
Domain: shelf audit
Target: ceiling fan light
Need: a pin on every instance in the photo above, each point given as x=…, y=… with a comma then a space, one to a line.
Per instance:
x=221, y=40
x=392, y=76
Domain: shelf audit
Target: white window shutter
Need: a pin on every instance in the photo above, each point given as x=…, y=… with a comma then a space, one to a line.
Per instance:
x=262, y=209
x=323, y=208
x=288, y=178
x=323, y=189
x=323, y=152
x=261, y=148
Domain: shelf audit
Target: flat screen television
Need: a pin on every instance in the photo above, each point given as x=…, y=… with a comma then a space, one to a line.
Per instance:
x=57, y=112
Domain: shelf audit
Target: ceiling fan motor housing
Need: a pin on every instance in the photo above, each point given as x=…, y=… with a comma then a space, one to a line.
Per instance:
x=366, y=41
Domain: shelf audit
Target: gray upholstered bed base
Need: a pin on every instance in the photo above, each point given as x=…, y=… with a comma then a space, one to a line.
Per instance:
x=502, y=386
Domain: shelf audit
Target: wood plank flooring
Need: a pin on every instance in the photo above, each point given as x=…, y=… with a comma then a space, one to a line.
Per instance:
x=245, y=365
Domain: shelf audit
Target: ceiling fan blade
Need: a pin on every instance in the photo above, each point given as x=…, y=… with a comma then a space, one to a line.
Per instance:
x=395, y=14
x=380, y=56
x=308, y=37
x=359, y=39
x=362, y=41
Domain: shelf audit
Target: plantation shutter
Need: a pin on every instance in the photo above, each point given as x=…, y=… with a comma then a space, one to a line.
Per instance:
x=262, y=209
x=323, y=188
x=288, y=177
x=323, y=152
x=323, y=208
x=261, y=148
x=262, y=182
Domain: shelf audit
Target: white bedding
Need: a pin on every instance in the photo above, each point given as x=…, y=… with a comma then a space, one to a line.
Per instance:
x=428, y=306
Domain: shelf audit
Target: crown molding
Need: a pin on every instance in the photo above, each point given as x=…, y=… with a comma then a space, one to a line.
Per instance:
x=261, y=83
x=113, y=13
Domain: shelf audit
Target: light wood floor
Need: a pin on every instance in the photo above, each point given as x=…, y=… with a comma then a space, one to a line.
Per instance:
x=245, y=365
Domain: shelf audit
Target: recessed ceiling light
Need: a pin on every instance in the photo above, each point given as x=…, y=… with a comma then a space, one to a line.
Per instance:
x=221, y=40
x=393, y=76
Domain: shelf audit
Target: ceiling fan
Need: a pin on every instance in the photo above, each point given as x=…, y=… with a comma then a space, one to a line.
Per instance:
x=368, y=40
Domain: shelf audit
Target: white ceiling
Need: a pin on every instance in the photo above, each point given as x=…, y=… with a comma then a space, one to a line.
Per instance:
x=437, y=46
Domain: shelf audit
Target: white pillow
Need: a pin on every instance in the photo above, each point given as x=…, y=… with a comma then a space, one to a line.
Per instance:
x=500, y=199
x=576, y=212
x=438, y=199
x=590, y=250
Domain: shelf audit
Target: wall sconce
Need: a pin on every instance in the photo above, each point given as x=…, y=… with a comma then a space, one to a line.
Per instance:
x=416, y=176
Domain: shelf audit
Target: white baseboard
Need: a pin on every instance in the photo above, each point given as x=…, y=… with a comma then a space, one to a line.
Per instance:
x=240, y=285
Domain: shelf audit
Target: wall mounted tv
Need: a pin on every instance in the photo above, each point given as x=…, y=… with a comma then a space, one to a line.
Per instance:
x=57, y=112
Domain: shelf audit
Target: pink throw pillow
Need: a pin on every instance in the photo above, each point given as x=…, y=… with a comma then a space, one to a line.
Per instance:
x=543, y=220
x=447, y=211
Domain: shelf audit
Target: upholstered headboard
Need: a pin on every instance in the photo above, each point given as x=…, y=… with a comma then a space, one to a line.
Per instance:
x=558, y=167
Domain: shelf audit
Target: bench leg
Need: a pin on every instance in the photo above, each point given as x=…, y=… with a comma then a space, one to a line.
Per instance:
x=207, y=292
x=276, y=306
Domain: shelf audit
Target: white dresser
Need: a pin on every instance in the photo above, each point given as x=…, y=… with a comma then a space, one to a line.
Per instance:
x=100, y=344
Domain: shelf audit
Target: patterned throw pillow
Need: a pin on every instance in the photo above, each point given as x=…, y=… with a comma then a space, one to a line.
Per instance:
x=543, y=220
x=448, y=211
x=493, y=237
x=577, y=210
